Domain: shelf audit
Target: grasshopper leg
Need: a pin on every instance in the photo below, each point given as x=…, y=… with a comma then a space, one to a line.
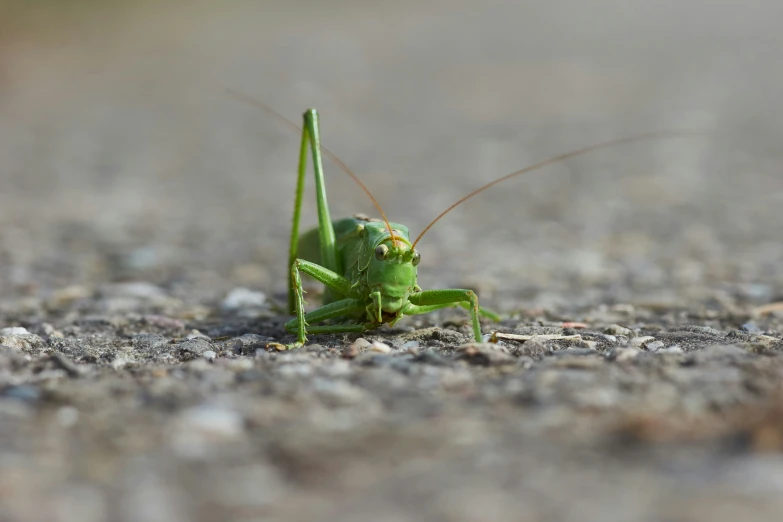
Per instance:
x=334, y=281
x=311, y=139
x=483, y=312
x=329, y=311
x=430, y=300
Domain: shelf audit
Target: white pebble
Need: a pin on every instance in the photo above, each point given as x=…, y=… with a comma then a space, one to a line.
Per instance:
x=209, y=355
x=14, y=330
x=637, y=342
x=195, y=334
x=243, y=298
x=67, y=416
x=380, y=347
x=360, y=344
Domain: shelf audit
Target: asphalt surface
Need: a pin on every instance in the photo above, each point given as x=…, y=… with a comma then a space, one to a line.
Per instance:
x=144, y=219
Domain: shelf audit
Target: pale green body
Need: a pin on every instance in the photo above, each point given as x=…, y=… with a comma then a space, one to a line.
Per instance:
x=370, y=276
x=356, y=239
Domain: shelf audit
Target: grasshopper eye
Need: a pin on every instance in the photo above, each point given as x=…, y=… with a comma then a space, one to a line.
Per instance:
x=416, y=258
x=381, y=251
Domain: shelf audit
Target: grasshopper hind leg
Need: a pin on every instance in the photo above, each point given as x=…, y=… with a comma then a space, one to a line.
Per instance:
x=326, y=237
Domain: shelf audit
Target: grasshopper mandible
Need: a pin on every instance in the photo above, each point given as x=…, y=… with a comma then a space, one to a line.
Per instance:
x=369, y=266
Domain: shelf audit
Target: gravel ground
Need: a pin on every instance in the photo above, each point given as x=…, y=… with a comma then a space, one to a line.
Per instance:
x=144, y=216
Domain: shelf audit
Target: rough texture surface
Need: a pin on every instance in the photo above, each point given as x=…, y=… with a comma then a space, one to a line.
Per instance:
x=144, y=216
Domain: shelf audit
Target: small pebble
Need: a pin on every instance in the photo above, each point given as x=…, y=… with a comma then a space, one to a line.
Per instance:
x=26, y=341
x=638, y=342
x=570, y=324
x=361, y=344
x=209, y=355
x=248, y=343
x=380, y=347
x=750, y=328
x=164, y=321
x=355, y=348
x=243, y=298
x=67, y=416
x=766, y=340
x=195, y=334
x=190, y=348
x=616, y=329
x=14, y=330
x=51, y=332
x=654, y=346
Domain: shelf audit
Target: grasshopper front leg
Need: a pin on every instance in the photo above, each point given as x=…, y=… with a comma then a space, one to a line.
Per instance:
x=330, y=311
x=430, y=300
x=333, y=281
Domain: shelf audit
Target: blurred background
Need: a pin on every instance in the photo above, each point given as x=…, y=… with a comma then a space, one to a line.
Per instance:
x=123, y=158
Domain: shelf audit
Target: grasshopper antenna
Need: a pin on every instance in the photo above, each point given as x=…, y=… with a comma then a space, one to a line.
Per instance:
x=260, y=105
x=555, y=159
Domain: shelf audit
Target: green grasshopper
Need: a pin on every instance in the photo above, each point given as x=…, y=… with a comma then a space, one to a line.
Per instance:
x=369, y=266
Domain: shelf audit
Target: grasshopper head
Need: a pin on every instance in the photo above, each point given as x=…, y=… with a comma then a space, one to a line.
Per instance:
x=392, y=271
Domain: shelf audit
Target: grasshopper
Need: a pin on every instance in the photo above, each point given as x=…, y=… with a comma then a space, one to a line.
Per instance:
x=369, y=266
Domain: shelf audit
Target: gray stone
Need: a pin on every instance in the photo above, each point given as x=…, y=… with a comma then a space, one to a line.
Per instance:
x=240, y=298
